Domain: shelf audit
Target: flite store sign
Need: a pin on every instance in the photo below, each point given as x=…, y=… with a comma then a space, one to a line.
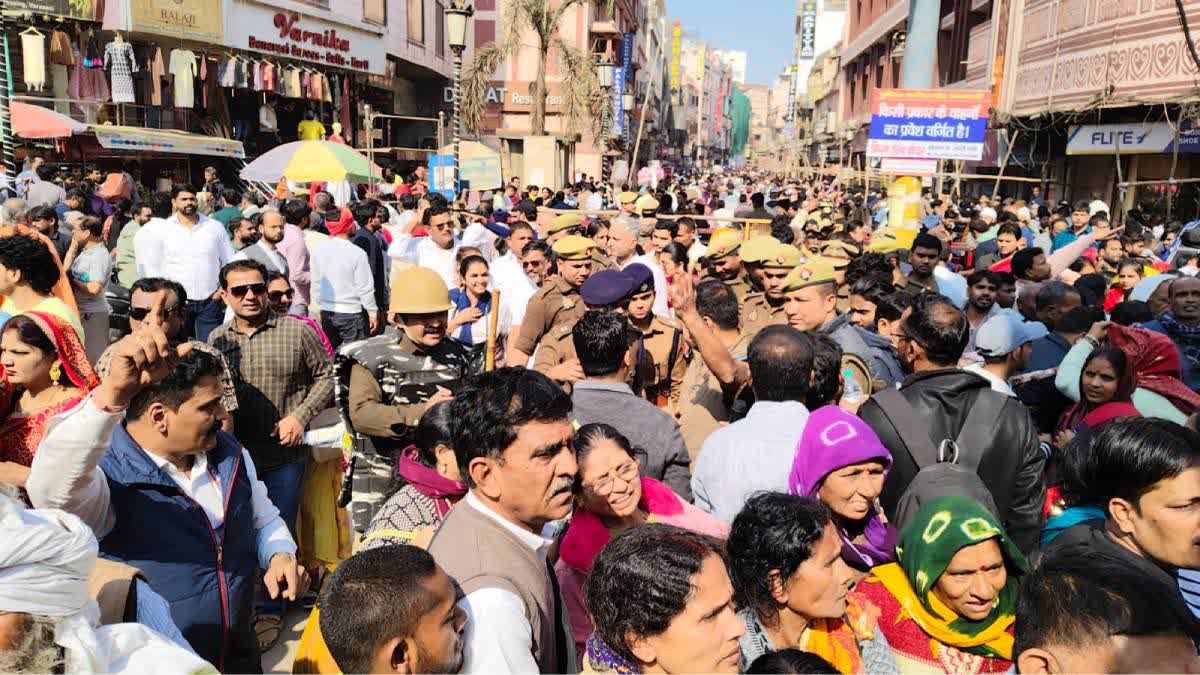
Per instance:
x=291, y=35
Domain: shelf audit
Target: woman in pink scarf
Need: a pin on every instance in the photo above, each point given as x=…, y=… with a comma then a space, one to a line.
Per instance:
x=613, y=498
x=426, y=486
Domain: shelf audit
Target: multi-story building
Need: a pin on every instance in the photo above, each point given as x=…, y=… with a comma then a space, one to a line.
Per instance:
x=873, y=49
x=506, y=124
x=1098, y=90
x=736, y=60
x=819, y=26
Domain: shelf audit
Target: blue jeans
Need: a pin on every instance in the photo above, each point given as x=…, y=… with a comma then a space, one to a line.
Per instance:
x=203, y=317
x=284, y=484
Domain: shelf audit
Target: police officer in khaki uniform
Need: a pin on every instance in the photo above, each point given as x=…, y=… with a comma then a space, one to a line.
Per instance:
x=556, y=359
x=563, y=225
x=840, y=254
x=646, y=208
x=660, y=338
x=723, y=252
x=754, y=252
x=556, y=302
x=766, y=308
x=567, y=224
x=628, y=199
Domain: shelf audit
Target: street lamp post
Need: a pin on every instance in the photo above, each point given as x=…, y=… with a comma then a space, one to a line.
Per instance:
x=456, y=34
x=604, y=73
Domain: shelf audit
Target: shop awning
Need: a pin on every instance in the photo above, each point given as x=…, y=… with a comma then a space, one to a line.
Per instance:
x=35, y=121
x=164, y=140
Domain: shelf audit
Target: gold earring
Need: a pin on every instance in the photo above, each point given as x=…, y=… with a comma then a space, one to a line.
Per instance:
x=55, y=371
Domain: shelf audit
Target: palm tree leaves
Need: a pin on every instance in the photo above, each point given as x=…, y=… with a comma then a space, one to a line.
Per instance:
x=582, y=98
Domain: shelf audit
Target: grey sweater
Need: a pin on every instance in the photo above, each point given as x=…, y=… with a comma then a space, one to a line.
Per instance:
x=652, y=432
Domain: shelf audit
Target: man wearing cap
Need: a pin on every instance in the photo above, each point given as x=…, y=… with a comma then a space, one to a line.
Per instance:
x=766, y=308
x=1004, y=340
x=556, y=302
x=393, y=378
x=811, y=291
x=556, y=358
x=724, y=254
x=646, y=208
x=563, y=225
x=753, y=252
x=840, y=253
x=659, y=338
x=628, y=199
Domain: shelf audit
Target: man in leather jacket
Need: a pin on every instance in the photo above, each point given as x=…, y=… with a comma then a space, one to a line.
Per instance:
x=931, y=339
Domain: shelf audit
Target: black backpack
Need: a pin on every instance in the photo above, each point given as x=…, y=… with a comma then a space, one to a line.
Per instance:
x=943, y=469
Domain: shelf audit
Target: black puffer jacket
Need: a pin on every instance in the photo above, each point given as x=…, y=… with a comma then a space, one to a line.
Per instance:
x=1011, y=466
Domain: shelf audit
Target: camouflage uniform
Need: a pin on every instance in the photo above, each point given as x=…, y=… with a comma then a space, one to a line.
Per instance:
x=385, y=381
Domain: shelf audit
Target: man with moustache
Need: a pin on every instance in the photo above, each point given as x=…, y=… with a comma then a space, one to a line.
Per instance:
x=144, y=463
x=981, y=301
x=512, y=435
x=393, y=378
x=276, y=397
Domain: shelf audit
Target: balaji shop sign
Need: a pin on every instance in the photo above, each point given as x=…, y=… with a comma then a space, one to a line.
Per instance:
x=289, y=35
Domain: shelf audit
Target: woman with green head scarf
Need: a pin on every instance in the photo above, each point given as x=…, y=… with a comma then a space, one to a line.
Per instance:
x=947, y=603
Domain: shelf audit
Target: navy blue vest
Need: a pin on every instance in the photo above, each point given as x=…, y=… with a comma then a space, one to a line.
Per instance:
x=206, y=575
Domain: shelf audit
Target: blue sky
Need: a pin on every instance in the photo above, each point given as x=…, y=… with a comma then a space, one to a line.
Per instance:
x=764, y=29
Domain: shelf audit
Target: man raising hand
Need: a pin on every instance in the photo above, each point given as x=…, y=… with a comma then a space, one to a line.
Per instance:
x=143, y=462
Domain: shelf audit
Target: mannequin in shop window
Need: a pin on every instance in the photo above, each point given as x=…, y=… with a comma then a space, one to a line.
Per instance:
x=310, y=129
x=336, y=136
x=122, y=64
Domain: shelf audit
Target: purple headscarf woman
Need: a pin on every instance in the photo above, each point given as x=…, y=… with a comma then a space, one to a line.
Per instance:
x=843, y=463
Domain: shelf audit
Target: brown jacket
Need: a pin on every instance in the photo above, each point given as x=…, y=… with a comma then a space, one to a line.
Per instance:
x=478, y=552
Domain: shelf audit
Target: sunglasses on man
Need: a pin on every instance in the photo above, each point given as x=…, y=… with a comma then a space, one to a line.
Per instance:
x=140, y=313
x=240, y=291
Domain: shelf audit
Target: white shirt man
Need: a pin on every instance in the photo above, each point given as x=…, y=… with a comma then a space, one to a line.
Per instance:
x=346, y=286
x=436, y=251
x=192, y=255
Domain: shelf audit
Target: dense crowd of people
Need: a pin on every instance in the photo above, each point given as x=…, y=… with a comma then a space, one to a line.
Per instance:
x=731, y=423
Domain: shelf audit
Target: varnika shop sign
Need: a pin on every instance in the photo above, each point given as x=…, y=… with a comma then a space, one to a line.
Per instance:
x=289, y=35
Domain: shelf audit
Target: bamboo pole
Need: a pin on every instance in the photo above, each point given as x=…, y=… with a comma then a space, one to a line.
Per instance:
x=1174, y=161
x=493, y=319
x=966, y=176
x=1012, y=144
x=660, y=216
x=1163, y=181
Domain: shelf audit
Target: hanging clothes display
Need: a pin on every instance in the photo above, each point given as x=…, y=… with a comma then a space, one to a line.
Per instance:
x=291, y=82
x=346, y=105
x=267, y=121
x=122, y=64
x=203, y=80
x=156, y=73
x=183, y=67
x=270, y=73
x=89, y=85
x=58, y=80
x=314, y=87
x=90, y=50
x=33, y=46
x=60, y=49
